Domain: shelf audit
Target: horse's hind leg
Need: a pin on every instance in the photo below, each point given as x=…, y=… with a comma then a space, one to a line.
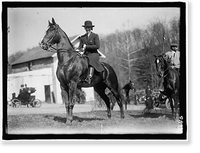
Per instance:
x=101, y=91
x=126, y=103
x=172, y=107
x=118, y=97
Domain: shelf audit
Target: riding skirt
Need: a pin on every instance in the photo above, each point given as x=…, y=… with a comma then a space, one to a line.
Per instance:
x=94, y=61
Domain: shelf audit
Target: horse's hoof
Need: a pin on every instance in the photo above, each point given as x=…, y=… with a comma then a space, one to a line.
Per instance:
x=69, y=121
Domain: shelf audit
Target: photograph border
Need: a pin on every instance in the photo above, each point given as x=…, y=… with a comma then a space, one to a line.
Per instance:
x=183, y=59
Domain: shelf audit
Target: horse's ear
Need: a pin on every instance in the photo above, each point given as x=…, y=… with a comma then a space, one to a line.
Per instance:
x=49, y=23
x=53, y=21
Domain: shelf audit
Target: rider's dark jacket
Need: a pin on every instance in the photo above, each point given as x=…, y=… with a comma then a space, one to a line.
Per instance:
x=92, y=44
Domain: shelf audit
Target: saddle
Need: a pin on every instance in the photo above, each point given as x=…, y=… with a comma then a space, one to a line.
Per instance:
x=102, y=75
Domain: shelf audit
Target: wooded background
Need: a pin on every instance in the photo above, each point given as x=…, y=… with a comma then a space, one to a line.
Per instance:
x=131, y=52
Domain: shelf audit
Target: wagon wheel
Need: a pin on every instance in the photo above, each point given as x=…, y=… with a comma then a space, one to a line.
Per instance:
x=37, y=103
x=30, y=104
x=9, y=102
x=16, y=103
x=142, y=99
x=156, y=103
x=167, y=103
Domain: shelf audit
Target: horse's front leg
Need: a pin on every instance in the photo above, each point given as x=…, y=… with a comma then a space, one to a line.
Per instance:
x=72, y=99
x=65, y=98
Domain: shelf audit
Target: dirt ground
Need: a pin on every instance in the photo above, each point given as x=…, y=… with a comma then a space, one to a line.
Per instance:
x=50, y=119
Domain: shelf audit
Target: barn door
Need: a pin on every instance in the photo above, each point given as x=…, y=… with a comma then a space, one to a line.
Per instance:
x=47, y=93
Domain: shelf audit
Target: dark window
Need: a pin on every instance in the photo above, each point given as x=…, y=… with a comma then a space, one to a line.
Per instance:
x=30, y=66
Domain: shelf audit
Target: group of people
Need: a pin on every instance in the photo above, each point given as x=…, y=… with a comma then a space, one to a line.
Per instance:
x=24, y=92
x=89, y=44
x=23, y=89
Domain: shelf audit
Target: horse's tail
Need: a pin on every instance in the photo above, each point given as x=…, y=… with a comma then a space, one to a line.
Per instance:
x=113, y=81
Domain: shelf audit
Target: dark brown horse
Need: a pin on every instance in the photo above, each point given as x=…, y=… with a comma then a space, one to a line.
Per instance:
x=170, y=83
x=73, y=69
x=127, y=87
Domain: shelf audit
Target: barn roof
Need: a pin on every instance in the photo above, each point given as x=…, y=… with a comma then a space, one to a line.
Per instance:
x=34, y=54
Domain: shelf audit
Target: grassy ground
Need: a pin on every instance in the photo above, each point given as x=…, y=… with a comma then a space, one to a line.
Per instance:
x=95, y=122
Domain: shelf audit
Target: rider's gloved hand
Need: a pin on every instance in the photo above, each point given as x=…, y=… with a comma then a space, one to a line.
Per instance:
x=84, y=47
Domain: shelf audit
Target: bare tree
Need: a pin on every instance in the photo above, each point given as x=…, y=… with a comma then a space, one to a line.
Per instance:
x=174, y=30
x=131, y=52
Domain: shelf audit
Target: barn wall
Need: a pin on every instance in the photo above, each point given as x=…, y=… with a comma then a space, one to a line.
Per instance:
x=32, y=65
x=42, y=63
x=37, y=79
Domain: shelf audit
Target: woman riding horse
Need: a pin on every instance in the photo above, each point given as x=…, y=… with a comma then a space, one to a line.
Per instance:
x=73, y=69
x=89, y=43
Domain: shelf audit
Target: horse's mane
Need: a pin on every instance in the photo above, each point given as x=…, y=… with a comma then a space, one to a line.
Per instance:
x=66, y=36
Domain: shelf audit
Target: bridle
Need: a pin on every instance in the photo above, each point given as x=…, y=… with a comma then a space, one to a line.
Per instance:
x=49, y=45
x=165, y=71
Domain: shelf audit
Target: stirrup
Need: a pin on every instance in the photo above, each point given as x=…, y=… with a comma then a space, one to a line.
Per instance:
x=88, y=79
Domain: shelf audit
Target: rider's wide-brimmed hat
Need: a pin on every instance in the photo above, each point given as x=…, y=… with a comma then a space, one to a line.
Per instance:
x=88, y=23
x=174, y=45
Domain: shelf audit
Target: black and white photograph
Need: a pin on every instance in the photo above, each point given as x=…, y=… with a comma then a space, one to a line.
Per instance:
x=108, y=70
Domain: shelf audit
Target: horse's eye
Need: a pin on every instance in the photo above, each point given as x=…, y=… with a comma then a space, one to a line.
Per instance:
x=51, y=29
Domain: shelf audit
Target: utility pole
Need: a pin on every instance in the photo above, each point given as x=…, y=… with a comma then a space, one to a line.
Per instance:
x=163, y=43
x=129, y=66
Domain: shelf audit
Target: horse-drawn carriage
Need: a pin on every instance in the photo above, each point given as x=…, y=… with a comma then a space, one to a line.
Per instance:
x=160, y=99
x=25, y=98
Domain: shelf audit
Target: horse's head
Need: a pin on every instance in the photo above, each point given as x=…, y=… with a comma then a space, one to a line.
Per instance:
x=55, y=36
x=51, y=36
x=131, y=84
x=160, y=65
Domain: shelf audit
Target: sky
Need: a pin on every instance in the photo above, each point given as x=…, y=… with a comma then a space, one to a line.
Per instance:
x=27, y=26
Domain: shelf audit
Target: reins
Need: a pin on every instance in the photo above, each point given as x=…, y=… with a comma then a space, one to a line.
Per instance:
x=63, y=50
x=165, y=71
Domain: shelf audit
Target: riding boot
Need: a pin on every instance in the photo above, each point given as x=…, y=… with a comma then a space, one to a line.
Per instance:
x=163, y=92
x=91, y=72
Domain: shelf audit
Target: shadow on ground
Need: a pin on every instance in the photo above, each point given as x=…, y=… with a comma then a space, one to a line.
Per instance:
x=76, y=118
x=151, y=115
